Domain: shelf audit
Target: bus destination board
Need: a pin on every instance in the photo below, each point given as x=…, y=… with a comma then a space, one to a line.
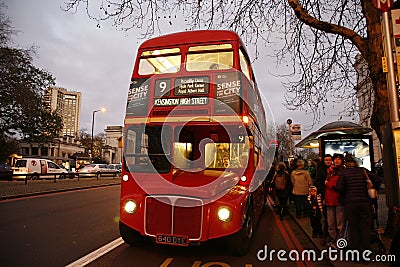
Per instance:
x=185, y=101
x=192, y=86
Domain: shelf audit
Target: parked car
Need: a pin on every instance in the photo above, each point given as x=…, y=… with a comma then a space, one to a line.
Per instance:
x=37, y=169
x=6, y=172
x=70, y=174
x=117, y=167
x=96, y=170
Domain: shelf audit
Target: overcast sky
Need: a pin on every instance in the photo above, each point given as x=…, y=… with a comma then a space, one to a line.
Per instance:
x=98, y=62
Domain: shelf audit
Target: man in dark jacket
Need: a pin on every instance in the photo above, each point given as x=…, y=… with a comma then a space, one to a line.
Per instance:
x=320, y=178
x=320, y=175
x=352, y=184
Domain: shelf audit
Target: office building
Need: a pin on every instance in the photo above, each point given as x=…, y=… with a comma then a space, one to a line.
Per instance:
x=67, y=105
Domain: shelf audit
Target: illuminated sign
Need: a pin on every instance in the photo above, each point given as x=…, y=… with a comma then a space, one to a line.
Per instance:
x=192, y=86
x=186, y=101
x=383, y=5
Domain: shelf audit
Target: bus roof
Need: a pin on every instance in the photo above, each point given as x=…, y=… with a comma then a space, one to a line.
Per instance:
x=191, y=37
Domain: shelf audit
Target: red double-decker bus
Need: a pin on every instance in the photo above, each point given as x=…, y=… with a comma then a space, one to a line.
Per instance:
x=195, y=154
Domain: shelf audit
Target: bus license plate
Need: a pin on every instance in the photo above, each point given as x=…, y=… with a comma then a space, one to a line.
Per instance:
x=172, y=240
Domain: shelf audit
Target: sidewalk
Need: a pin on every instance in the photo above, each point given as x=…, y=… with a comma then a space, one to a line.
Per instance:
x=304, y=223
x=15, y=188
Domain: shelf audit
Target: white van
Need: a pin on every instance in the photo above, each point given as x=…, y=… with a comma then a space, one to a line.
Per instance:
x=38, y=169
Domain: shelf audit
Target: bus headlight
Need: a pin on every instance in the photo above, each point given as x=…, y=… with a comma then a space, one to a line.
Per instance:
x=224, y=214
x=130, y=206
x=243, y=178
x=125, y=178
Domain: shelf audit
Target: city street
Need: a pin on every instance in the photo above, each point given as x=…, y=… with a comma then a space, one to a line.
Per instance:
x=56, y=229
x=60, y=228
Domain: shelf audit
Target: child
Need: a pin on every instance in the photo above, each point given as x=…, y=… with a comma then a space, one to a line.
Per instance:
x=314, y=201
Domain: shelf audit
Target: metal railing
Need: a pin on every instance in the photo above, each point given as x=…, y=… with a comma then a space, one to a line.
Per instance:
x=55, y=176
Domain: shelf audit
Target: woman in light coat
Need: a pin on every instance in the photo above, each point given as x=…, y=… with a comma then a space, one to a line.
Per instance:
x=301, y=181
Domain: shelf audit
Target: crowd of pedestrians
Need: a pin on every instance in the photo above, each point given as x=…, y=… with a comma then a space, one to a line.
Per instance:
x=332, y=193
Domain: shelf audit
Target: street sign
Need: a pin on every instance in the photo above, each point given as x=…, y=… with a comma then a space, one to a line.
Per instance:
x=273, y=143
x=296, y=131
x=383, y=5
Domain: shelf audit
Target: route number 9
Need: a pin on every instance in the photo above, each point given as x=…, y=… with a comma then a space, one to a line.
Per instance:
x=162, y=87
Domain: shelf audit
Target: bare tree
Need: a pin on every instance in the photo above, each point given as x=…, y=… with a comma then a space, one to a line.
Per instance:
x=319, y=40
x=283, y=138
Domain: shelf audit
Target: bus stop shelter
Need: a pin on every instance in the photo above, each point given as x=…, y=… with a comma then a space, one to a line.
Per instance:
x=342, y=137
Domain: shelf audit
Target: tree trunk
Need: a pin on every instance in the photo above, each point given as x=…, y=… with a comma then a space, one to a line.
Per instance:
x=380, y=119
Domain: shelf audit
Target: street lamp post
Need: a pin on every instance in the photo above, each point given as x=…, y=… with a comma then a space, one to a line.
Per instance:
x=91, y=145
x=289, y=122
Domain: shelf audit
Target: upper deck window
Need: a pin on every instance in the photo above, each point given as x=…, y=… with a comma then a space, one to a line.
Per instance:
x=209, y=57
x=160, y=61
x=244, y=65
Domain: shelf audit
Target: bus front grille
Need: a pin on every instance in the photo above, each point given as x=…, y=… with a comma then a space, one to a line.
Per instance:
x=174, y=215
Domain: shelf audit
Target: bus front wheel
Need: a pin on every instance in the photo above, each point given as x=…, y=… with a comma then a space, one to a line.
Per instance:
x=240, y=242
x=130, y=236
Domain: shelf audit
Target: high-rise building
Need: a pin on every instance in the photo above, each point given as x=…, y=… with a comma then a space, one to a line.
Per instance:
x=67, y=105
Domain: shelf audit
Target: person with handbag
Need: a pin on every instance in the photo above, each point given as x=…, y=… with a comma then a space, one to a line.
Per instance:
x=353, y=186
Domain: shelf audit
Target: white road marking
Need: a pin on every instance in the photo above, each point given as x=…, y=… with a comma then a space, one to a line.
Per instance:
x=97, y=253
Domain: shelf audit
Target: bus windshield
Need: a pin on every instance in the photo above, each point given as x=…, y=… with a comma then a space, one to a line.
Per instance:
x=148, y=149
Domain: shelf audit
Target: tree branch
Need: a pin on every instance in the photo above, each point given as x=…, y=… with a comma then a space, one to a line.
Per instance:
x=327, y=27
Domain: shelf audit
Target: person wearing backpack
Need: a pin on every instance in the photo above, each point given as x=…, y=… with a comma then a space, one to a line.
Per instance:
x=283, y=187
x=301, y=180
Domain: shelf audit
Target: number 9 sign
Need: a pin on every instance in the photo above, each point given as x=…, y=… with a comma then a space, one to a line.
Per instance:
x=162, y=87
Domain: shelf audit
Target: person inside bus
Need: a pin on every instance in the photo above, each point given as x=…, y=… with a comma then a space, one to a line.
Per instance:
x=226, y=162
x=214, y=66
x=243, y=161
x=222, y=152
